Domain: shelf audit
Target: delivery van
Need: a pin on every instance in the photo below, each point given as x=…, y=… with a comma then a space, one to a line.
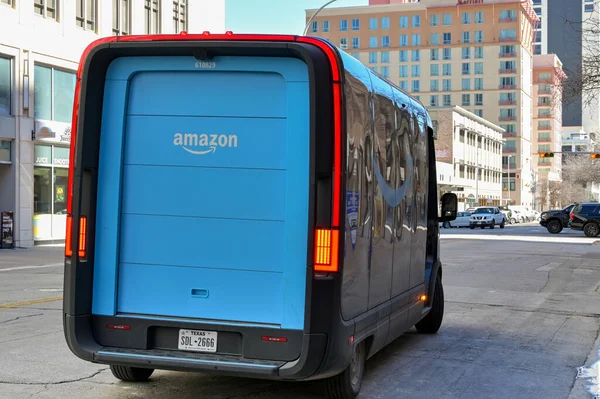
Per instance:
x=250, y=205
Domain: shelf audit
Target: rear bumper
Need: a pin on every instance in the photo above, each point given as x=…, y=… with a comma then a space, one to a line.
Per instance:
x=81, y=341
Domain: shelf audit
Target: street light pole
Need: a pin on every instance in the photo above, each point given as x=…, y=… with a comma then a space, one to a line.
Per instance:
x=477, y=170
x=315, y=14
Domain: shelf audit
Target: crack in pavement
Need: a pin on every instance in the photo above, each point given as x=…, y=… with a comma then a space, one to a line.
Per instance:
x=21, y=317
x=54, y=383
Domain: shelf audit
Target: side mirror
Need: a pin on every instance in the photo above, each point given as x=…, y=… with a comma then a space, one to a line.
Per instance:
x=449, y=207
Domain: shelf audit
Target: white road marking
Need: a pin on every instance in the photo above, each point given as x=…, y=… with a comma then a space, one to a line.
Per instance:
x=10, y=269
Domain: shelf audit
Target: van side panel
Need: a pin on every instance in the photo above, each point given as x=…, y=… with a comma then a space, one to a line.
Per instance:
x=203, y=207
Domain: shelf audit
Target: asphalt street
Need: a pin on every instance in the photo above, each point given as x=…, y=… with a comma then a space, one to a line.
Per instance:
x=522, y=314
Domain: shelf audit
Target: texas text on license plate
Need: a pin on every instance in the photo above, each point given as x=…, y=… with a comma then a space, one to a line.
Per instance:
x=199, y=341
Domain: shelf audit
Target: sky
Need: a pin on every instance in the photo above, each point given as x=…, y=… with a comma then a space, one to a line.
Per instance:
x=274, y=16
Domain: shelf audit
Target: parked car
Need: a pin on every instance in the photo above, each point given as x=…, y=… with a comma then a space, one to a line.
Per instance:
x=487, y=216
x=519, y=216
x=586, y=216
x=556, y=220
x=462, y=219
x=508, y=214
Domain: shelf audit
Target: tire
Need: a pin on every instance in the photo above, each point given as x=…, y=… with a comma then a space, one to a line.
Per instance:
x=554, y=226
x=591, y=229
x=493, y=225
x=472, y=227
x=433, y=321
x=503, y=223
x=131, y=374
x=513, y=221
x=347, y=384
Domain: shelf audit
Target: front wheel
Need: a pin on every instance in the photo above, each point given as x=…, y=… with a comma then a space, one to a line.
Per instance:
x=493, y=225
x=347, y=384
x=591, y=229
x=433, y=321
x=131, y=374
x=503, y=223
x=554, y=227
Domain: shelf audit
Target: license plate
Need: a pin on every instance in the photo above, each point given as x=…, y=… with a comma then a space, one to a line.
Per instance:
x=196, y=340
x=479, y=222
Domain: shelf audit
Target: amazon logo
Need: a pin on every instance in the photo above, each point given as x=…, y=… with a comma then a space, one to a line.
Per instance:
x=202, y=144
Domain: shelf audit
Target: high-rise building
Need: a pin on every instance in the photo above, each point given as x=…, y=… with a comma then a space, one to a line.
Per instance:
x=41, y=43
x=576, y=35
x=470, y=53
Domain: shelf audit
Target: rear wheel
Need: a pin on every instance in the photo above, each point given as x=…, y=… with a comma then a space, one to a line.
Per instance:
x=554, y=226
x=131, y=374
x=591, y=229
x=347, y=384
x=503, y=223
x=433, y=321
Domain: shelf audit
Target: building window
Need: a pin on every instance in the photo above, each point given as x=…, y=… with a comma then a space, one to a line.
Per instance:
x=447, y=53
x=356, y=42
x=466, y=18
x=355, y=24
x=180, y=17
x=434, y=85
x=343, y=25
x=434, y=101
x=404, y=71
x=416, y=21
x=448, y=38
x=152, y=16
x=356, y=55
x=466, y=68
x=479, y=113
x=374, y=68
x=373, y=41
x=447, y=69
x=373, y=23
x=373, y=57
x=434, y=54
x=5, y=85
x=54, y=90
x=537, y=49
x=404, y=85
x=5, y=151
x=416, y=55
x=435, y=39
x=589, y=8
x=479, y=52
x=466, y=84
x=479, y=36
x=466, y=37
x=47, y=8
x=447, y=99
x=385, y=71
x=478, y=84
x=385, y=41
x=344, y=43
x=416, y=86
x=9, y=3
x=325, y=26
x=434, y=20
x=416, y=39
x=385, y=23
x=478, y=99
x=403, y=56
x=466, y=100
x=385, y=56
x=508, y=35
x=447, y=19
x=447, y=85
x=466, y=53
x=86, y=14
x=403, y=40
x=404, y=21
x=314, y=26
x=416, y=71
x=479, y=68
x=479, y=17
x=121, y=17
x=508, y=16
x=434, y=69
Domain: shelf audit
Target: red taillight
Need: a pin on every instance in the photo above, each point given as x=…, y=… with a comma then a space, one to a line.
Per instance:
x=119, y=327
x=326, y=250
x=82, y=241
x=572, y=216
x=274, y=339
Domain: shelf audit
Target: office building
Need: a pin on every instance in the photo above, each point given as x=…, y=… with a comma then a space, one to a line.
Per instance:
x=474, y=54
x=41, y=43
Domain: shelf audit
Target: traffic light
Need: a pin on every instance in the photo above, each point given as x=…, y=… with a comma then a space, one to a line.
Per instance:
x=546, y=155
x=595, y=156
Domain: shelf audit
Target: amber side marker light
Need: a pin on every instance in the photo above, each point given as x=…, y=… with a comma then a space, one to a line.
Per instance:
x=326, y=250
x=423, y=298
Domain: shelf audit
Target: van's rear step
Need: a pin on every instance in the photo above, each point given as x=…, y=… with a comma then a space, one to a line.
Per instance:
x=177, y=360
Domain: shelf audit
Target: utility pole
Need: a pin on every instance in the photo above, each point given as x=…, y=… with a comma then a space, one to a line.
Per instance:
x=477, y=170
x=315, y=14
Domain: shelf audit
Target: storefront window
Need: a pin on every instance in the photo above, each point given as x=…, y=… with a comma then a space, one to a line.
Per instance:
x=54, y=92
x=5, y=86
x=5, y=151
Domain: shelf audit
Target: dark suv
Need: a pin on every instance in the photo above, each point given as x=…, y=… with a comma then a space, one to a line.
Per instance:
x=586, y=216
x=557, y=219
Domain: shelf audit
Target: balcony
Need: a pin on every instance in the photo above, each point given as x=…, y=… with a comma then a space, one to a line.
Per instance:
x=507, y=87
x=507, y=118
x=544, y=91
x=508, y=19
x=544, y=81
x=506, y=70
x=544, y=140
x=507, y=102
x=544, y=104
x=508, y=55
x=544, y=116
x=508, y=39
x=509, y=134
x=544, y=128
x=509, y=150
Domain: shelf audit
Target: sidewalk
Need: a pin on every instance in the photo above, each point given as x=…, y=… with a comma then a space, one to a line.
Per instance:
x=35, y=256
